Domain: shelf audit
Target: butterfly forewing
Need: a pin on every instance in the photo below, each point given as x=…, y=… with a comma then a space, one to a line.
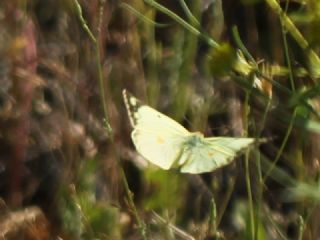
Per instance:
x=132, y=104
x=156, y=137
x=160, y=148
x=141, y=115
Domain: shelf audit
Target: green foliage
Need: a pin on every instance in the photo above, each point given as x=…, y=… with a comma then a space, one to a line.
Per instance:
x=71, y=216
x=241, y=220
x=165, y=190
x=83, y=215
x=222, y=60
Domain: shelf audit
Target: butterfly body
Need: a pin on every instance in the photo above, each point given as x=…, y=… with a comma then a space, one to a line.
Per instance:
x=167, y=144
x=195, y=139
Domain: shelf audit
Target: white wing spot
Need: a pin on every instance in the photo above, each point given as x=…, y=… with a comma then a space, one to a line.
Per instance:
x=133, y=101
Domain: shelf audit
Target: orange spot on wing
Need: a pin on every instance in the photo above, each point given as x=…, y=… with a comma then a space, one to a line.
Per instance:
x=160, y=140
x=210, y=154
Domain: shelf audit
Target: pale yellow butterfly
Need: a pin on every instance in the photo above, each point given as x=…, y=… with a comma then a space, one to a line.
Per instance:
x=167, y=144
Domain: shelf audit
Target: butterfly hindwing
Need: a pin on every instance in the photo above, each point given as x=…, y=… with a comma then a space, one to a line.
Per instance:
x=215, y=152
x=199, y=160
x=233, y=143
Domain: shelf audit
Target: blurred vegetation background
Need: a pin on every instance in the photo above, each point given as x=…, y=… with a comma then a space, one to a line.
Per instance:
x=68, y=169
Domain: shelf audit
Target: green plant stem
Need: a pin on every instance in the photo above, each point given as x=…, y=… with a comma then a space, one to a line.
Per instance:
x=142, y=16
x=276, y=227
x=212, y=223
x=288, y=24
x=295, y=33
x=247, y=169
x=240, y=44
x=284, y=142
x=286, y=50
x=100, y=73
x=141, y=224
x=248, y=183
x=259, y=170
x=96, y=43
x=189, y=14
x=182, y=234
x=182, y=22
x=83, y=22
x=78, y=205
x=301, y=228
x=226, y=199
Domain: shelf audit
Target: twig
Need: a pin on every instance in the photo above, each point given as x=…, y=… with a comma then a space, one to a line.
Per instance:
x=157, y=218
